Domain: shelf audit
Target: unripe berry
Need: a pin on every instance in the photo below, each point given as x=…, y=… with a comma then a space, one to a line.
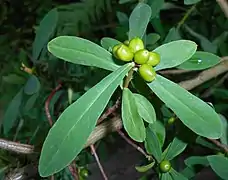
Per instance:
x=141, y=56
x=136, y=44
x=154, y=59
x=165, y=166
x=147, y=72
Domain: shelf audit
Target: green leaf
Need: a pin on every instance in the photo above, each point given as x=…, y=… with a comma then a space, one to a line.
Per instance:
x=139, y=20
x=159, y=129
x=195, y=160
x=144, y=168
x=145, y=108
x=219, y=165
x=166, y=176
x=204, y=42
x=45, y=31
x=30, y=102
x=188, y=172
x=124, y=1
x=192, y=111
x=169, y=56
x=32, y=86
x=132, y=121
x=176, y=175
x=190, y=2
x=68, y=135
x=203, y=142
x=108, y=43
x=173, y=35
x=156, y=6
x=152, y=145
x=224, y=137
x=122, y=18
x=81, y=51
x=13, y=79
x=174, y=149
x=12, y=112
x=152, y=38
x=200, y=60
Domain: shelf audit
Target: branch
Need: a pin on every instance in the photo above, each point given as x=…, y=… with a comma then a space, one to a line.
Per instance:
x=16, y=147
x=206, y=75
x=224, y=6
x=217, y=143
x=174, y=71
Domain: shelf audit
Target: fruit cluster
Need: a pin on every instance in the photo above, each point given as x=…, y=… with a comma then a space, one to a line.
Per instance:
x=134, y=50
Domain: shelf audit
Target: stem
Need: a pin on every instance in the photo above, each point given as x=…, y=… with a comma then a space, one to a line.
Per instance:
x=187, y=14
x=98, y=162
x=134, y=145
x=219, y=144
x=128, y=78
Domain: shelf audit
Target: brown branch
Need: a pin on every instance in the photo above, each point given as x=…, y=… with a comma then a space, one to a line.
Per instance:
x=16, y=147
x=219, y=144
x=98, y=162
x=129, y=141
x=47, y=102
x=209, y=91
x=206, y=75
x=224, y=6
x=109, y=111
x=174, y=71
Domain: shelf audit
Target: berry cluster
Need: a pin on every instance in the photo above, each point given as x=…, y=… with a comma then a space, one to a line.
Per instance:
x=135, y=50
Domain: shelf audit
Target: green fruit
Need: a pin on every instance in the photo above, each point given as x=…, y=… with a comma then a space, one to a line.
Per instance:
x=147, y=72
x=84, y=172
x=136, y=44
x=141, y=56
x=165, y=166
x=126, y=42
x=171, y=120
x=154, y=59
x=124, y=53
x=114, y=49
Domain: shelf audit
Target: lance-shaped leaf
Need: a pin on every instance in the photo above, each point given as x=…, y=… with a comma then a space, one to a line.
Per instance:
x=132, y=121
x=175, y=148
x=219, y=164
x=195, y=160
x=200, y=60
x=139, y=20
x=81, y=51
x=108, y=43
x=159, y=129
x=45, y=31
x=12, y=111
x=175, y=53
x=145, y=108
x=192, y=111
x=69, y=134
x=145, y=167
x=152, y=145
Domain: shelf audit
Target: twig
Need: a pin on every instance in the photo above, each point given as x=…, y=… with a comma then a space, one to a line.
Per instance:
x=174, y=71
x=206, y=75
x=187, y=14
x=128, y=78
x=109, y=111
x=133, y=144
x=219, y=144
x=209, y=91
x=47, y=102
x=224, y=6
x=98, y=162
